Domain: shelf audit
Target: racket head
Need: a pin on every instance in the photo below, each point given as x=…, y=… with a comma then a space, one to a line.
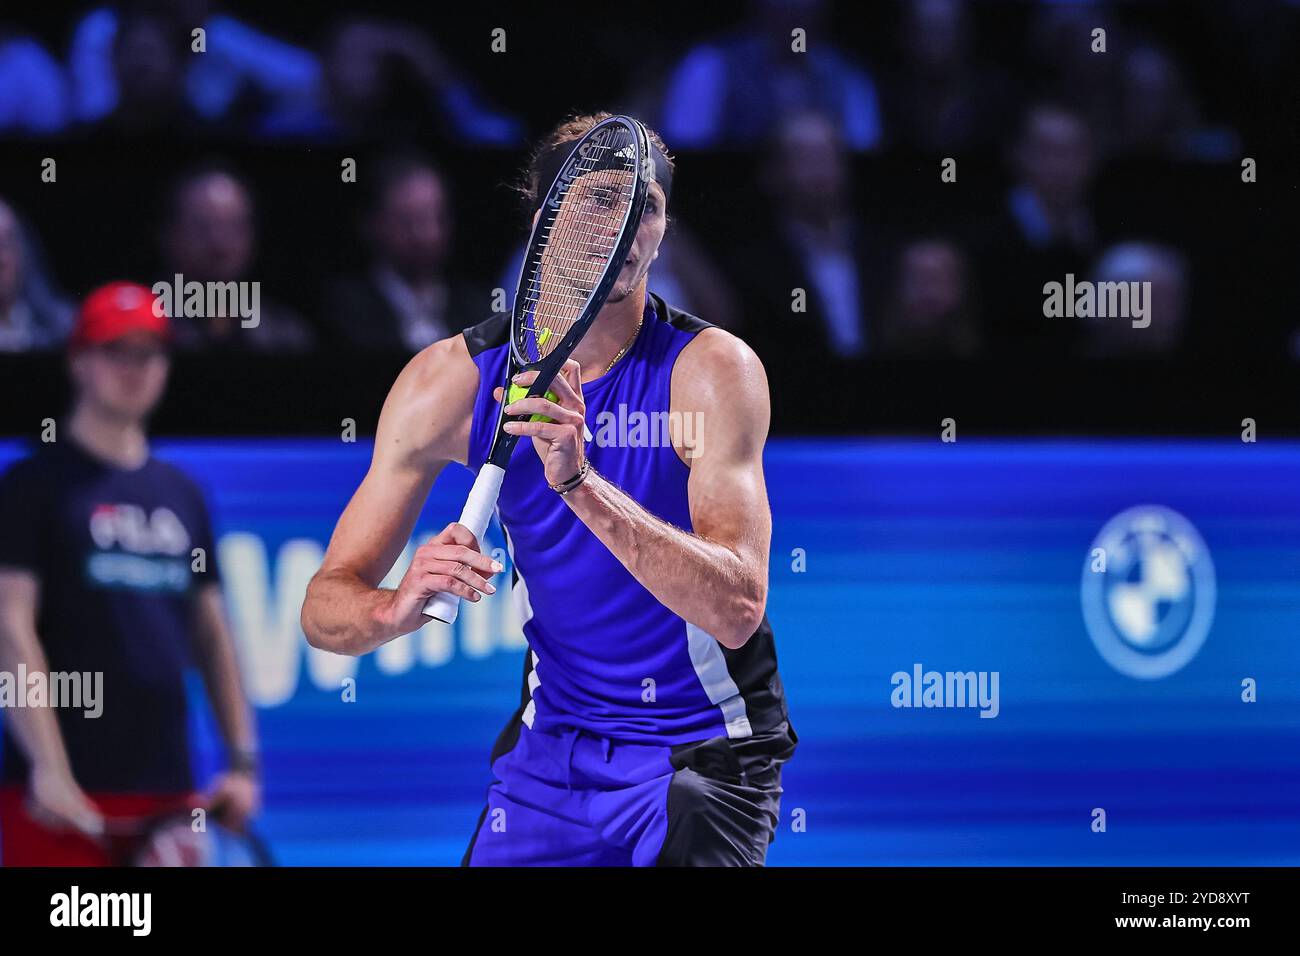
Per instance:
x=177, y=835
x=173, y=840
x=579, y=243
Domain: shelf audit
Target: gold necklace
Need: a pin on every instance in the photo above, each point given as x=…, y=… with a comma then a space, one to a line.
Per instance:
x=623, y=350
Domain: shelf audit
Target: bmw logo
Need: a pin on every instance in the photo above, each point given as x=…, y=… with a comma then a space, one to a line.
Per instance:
x=1148, y=592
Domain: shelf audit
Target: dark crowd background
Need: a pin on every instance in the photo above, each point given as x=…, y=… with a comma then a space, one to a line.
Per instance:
x=818, y=171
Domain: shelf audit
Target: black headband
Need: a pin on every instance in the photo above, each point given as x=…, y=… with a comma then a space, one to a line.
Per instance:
x=550, y=162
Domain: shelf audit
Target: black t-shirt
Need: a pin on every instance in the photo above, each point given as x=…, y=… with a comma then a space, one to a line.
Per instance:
x=114, y=552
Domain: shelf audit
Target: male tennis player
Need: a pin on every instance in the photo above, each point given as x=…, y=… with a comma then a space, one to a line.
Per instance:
x=98, y=575
x=653, y=725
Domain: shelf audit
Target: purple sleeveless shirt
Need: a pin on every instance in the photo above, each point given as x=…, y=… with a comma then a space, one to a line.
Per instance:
x=604, y=654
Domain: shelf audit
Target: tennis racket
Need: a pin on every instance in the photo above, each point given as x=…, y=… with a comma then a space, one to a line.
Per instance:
x=168, y=838
x=579, y=244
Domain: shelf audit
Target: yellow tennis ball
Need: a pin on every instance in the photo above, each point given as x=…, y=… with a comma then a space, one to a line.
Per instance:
x=516, y=392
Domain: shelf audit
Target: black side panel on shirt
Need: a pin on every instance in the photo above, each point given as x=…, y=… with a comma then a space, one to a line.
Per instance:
x=677, y=318
x=488, y=334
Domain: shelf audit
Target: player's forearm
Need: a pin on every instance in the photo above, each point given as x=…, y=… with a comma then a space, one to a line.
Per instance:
x=704, y=582
x=344, y=615
x=35, y=729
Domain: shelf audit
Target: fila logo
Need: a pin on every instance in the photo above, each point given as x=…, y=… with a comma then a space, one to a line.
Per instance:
x=134, y=530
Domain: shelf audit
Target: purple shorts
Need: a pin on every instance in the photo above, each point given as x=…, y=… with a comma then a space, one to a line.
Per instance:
x=578, y=799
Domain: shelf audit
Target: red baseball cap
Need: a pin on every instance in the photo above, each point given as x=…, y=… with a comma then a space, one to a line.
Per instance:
x=116, y=310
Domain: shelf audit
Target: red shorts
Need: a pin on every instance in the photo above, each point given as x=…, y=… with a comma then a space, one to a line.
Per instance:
x=25, y=842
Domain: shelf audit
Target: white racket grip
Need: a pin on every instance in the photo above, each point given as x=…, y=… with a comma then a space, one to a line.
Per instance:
x=444, y=606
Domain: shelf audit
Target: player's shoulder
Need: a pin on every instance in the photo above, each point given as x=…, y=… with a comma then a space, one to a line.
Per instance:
x=450, y=354
x=718, y=373
x=711, y=348
x=447, y=358
x=716, y=355
x=426, y=414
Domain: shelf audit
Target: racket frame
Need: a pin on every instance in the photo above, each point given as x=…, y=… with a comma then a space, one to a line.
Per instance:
x=477, y=513
x=503, y=442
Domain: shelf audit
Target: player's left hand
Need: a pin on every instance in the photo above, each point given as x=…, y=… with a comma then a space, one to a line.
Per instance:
x=560, y=442
x=235, y=798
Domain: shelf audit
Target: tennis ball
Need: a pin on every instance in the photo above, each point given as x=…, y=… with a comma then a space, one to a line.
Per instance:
x=516, y=392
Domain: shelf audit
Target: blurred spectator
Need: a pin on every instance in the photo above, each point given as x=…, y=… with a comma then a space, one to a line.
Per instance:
x=241, y=71
x=31, y=317
x=1166, y=299
x=930, y=312
x=735, y=90
x=1045, y=231
x=816, y=244
x=1158, y=116
x=407, y=300
x=94, y=521
x=148, y=56
x=1064, y=67
x=33, y=90
x=942, y=99
x=210, y=236
x=389, y=80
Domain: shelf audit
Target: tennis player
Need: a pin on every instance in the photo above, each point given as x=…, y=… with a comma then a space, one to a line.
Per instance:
x=98, y=575
x=652, y=725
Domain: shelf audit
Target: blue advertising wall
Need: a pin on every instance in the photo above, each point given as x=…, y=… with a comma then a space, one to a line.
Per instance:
x=888, y=557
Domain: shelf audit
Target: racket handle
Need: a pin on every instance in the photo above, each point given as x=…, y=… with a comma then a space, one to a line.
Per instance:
x=444, y=606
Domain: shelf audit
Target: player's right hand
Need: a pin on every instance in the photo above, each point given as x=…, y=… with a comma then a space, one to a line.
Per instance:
x=449, y=561
x=55, y=801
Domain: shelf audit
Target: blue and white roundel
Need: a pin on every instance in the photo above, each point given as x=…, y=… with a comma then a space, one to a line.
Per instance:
x=1151, y=609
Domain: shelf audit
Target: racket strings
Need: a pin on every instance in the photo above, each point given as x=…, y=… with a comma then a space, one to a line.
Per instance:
x=581, y=235
x=569, y=269
x=575, y=246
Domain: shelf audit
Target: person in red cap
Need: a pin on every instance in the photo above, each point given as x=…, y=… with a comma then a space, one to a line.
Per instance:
x=109, y=592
